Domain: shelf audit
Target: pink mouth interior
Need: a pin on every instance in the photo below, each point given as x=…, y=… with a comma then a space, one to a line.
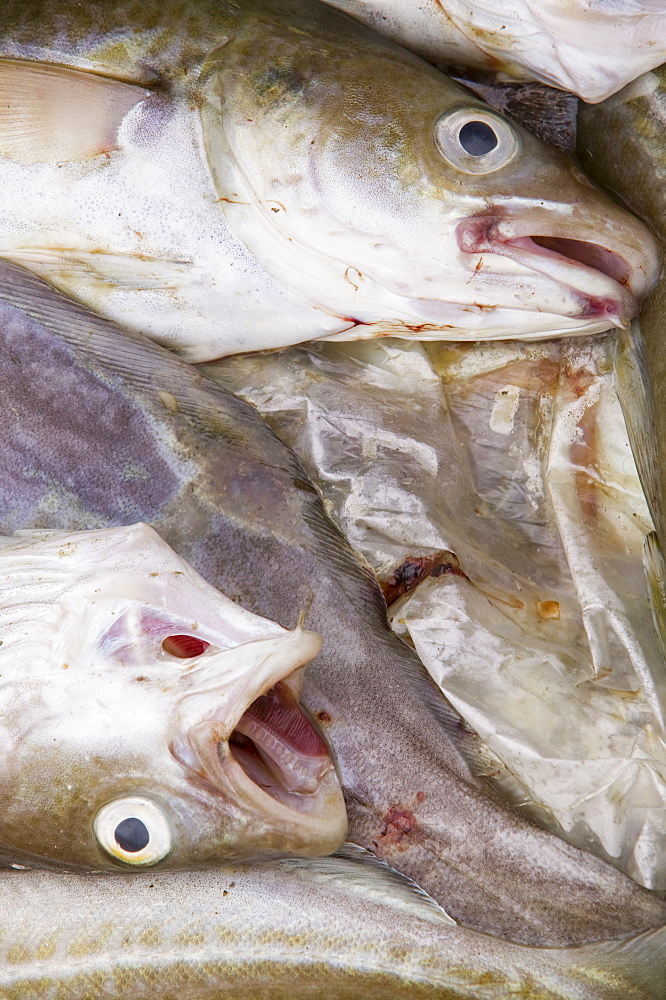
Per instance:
x=184, y=646
x=589, y=254
x=279, y=749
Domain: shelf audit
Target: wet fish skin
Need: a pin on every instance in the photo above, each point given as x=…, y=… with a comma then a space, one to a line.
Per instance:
x=592, y=50
x=306, y=199
x=336, y=928
x=82, y=402
x=622, y=144
x=100, y=722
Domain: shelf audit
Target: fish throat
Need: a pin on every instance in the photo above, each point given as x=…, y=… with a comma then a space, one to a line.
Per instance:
x=279, y=749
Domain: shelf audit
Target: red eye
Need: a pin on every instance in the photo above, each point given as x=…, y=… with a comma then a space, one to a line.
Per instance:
x=184, y=646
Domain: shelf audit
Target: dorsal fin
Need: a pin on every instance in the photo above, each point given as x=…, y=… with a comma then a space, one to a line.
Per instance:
x=51, y=114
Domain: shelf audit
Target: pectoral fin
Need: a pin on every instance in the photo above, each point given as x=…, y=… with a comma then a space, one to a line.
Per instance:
x=358, y=868
x=50, y=114
x=80, y=272
x=635, y=395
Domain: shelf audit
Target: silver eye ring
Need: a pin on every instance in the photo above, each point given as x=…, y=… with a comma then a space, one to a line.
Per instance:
x=134, y=830
x=476, y=140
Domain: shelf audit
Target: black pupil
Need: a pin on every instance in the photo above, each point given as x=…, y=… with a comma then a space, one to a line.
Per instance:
x=132, y=835
x=477, y=138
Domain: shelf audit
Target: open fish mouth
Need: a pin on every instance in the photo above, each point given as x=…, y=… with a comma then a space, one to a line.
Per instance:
x=600, y=282
x=266, y=764
x=280, y=750
x=590, y=254
x=565, y=251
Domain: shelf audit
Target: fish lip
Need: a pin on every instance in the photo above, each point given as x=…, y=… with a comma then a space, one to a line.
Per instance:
x=618, y=300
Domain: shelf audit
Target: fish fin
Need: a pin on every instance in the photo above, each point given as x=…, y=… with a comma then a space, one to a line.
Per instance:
x=49, y=114
x=133, y=357
x=87, y=268
x=655, y=571
x=351, y=6
x=633, y=387
x=548, y=113
x=358, y=867
x=635, y=965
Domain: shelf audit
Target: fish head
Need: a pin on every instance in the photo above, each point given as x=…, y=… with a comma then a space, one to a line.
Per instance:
x=147, y=720
x=391, y=198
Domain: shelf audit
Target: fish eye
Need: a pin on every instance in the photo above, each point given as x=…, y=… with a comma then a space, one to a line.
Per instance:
x=133, y=830
x=475, y=140
x=131, y=835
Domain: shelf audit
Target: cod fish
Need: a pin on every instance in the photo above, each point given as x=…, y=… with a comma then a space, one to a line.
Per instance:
x=592, y=49
x=228, y=177
x=161, y=718
x=622, y=142
x=103, y=428
x=336, y=928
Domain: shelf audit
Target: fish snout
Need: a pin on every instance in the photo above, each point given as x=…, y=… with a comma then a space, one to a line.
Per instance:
x=261, y=755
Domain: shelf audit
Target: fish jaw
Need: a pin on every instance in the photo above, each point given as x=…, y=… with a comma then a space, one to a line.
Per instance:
x=599, y=285
x=256, y=750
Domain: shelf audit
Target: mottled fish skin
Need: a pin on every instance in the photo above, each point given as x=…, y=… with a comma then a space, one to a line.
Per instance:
x=340, y=928
x=229, y=177
x=101, y=428
x=591, y=49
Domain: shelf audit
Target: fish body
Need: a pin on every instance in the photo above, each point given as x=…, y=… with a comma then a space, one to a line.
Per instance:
x=339, y=928
x=592, y=49
x=131, y=687
x=227, y=178
x=101, y=427
x=491, y=487
x=622, y=144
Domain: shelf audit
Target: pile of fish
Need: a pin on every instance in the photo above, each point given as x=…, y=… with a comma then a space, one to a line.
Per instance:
x=492, y=489
x=198, y=669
